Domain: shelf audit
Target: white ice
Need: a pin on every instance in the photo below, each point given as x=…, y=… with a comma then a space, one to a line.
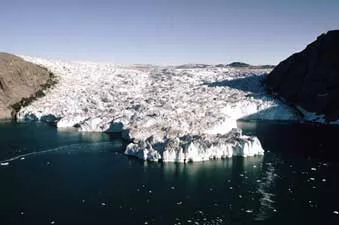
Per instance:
x=197, y=148
x=192, y=109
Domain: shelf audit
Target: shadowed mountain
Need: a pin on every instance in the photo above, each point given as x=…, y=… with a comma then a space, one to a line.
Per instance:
x=310, y=78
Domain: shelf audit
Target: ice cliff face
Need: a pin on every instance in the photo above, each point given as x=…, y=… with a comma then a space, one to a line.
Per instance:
x=169, y=113
x=196, y=148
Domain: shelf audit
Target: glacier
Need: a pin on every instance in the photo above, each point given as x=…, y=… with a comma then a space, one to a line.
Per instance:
x=170, y=114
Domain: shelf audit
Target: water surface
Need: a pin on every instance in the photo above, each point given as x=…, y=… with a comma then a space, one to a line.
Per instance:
x=82, y=178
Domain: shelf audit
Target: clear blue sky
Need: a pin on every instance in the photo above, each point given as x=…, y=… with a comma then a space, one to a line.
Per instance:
x=164, y=31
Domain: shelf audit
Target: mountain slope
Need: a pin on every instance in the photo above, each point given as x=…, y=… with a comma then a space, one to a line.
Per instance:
x=18, y=79
x=310, y=79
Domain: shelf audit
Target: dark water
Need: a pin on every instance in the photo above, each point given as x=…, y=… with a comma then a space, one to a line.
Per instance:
x=82, y=178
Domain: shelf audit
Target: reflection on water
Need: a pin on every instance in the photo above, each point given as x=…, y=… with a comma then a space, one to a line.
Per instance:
x=250, y=165
x=266, y=190
x=295, y=138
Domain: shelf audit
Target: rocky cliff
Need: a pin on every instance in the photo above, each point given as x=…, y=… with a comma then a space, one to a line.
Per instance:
x=310, y=78
x=18, y=80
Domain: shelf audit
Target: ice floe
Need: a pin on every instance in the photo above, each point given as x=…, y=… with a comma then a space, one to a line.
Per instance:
x=169, y=113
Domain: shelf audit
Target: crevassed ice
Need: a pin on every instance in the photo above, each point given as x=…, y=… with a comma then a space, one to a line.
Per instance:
x=165, y=104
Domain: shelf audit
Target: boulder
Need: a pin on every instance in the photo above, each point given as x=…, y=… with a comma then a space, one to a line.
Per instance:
x=18, y=79
x=310, y=78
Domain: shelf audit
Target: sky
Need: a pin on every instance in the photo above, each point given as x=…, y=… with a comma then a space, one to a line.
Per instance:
x=164, y=31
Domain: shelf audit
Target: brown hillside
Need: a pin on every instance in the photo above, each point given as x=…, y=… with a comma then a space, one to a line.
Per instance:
x=18, y=79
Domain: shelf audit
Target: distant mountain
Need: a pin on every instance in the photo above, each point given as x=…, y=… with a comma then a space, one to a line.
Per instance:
x=238, y=64
x=233, y=65
x=245, y=65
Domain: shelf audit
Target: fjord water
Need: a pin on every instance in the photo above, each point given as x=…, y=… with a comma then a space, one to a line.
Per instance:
x=67, y=177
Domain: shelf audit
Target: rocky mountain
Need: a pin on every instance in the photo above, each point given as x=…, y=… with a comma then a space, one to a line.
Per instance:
x=310, y=78
x=238, y=64
x=20, y=81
